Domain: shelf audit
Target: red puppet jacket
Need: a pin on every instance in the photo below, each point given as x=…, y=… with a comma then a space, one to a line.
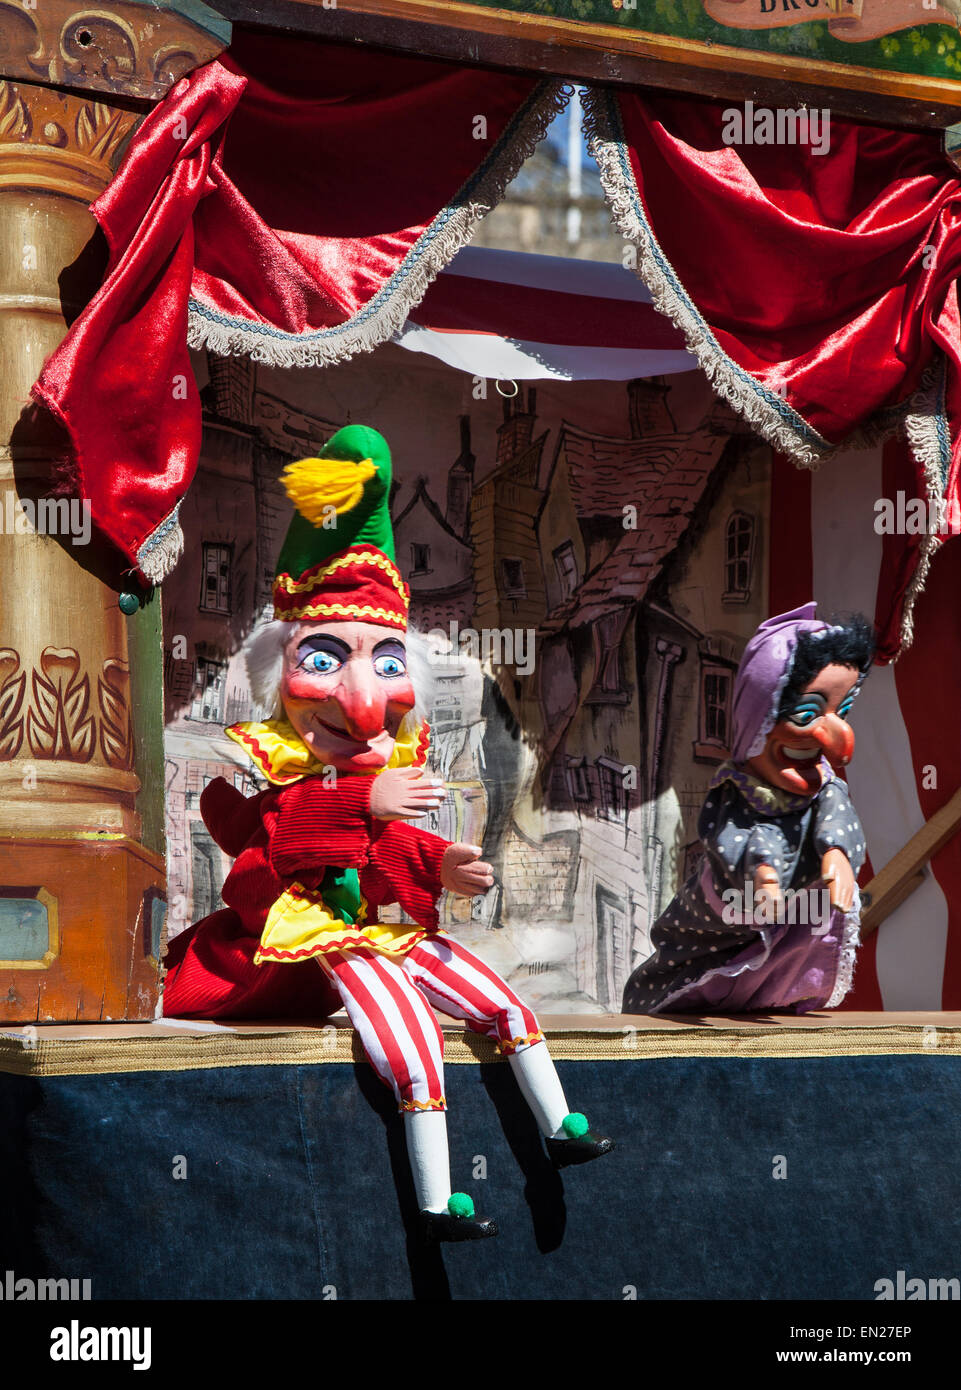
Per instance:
x=281, y=836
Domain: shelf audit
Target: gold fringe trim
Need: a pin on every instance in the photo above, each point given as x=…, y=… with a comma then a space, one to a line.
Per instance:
x=148, y=1047
x=783, y=427
x=932, y=455
x=159, y=552
x=453, y=227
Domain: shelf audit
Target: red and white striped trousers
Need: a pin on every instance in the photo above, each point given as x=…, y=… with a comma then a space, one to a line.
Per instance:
x=389, y=1004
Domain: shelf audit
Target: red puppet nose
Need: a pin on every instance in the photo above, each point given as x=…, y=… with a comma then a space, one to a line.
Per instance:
x=364, y=713
x=836, y=737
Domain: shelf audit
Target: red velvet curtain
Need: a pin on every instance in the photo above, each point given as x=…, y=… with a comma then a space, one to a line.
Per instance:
x=815, y=280
x=295, y=199
x=292, y=200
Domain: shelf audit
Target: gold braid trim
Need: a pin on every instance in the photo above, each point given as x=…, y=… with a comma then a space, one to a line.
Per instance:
x=629, y=1039
x=347, y=610
x=417, y=1105
x=352, y=557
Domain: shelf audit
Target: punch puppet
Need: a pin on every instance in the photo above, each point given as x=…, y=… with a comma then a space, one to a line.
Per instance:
x=329, y=843
x=769, y=917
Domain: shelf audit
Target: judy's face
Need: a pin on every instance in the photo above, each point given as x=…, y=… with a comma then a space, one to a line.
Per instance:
x=345, y=689
x=817, y=724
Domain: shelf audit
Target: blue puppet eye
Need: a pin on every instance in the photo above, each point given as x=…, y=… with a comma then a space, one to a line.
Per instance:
x=389, y=666
x=805, y=713
x=844, y=708
x=322, y=663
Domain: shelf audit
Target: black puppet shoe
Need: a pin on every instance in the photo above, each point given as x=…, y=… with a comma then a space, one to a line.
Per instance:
x=458, y=1222
x=580, y=1144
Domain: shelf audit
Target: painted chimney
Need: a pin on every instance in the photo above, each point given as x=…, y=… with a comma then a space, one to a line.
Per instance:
x=460, y=483
x=515, y=434
x=648, y=407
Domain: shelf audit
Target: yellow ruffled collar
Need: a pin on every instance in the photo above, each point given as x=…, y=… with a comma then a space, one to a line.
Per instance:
x=280, y=755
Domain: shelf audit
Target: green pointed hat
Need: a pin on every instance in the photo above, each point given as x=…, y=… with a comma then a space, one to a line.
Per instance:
x=338, y=559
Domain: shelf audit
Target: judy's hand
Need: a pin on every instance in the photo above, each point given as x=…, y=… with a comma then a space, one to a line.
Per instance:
x=401, y=793
x=768, y=898
x=837, y=873
x=462, y=872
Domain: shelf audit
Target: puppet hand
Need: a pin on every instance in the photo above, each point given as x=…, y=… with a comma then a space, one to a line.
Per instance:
x=768, y=898
x=461, y=871
x=401, y=793
x=837, y=873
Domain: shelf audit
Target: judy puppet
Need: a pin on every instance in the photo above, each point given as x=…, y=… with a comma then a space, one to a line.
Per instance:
x=768, y=919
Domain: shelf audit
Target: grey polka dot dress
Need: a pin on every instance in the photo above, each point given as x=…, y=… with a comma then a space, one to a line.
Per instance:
x=743, y=824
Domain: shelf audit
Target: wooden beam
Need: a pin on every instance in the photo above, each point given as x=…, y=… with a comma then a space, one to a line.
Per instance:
x=902, y=874
x=605, y=53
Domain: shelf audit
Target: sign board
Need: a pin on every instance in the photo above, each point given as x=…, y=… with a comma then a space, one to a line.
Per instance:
x=893, y=61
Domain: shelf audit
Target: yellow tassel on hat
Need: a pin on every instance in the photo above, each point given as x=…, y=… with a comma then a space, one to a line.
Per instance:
x=317, y=485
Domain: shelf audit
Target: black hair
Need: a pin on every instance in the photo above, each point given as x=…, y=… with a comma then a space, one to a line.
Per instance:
x=849, y=641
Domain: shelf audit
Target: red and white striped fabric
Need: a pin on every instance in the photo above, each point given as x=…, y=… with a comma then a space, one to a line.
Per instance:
x=593, y=321
x=389, y=1004
x=907, y=721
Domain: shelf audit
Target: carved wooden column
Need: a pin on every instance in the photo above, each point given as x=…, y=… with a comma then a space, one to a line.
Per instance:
x=81, y=762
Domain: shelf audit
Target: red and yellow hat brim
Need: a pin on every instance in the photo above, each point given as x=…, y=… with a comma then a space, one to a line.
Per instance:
x=361, y=584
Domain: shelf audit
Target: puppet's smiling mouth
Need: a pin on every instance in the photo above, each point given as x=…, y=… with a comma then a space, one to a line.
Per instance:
x=341, y=733
x=800, y=768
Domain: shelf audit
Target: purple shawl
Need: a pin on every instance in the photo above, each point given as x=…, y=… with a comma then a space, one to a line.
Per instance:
x=764, y=671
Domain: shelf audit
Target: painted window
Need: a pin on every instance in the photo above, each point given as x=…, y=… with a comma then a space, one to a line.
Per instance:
x=613, y=789
x=419, y=558
x=209, y=689
x=738, y=557
x=565, y=565
x=215, y=585
x=609, y=684
x=578, y=782
x=206, y=868
x=515, y=586
x=714, y=711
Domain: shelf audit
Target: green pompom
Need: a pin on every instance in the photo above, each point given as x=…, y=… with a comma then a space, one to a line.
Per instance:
x=459, y=1204
x=575, y=1126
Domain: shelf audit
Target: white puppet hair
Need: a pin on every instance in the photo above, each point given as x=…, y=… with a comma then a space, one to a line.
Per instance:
x=264, y=657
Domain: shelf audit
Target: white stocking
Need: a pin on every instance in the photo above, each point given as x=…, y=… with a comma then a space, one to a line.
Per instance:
x=541, y=1087
x=429, y=1161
